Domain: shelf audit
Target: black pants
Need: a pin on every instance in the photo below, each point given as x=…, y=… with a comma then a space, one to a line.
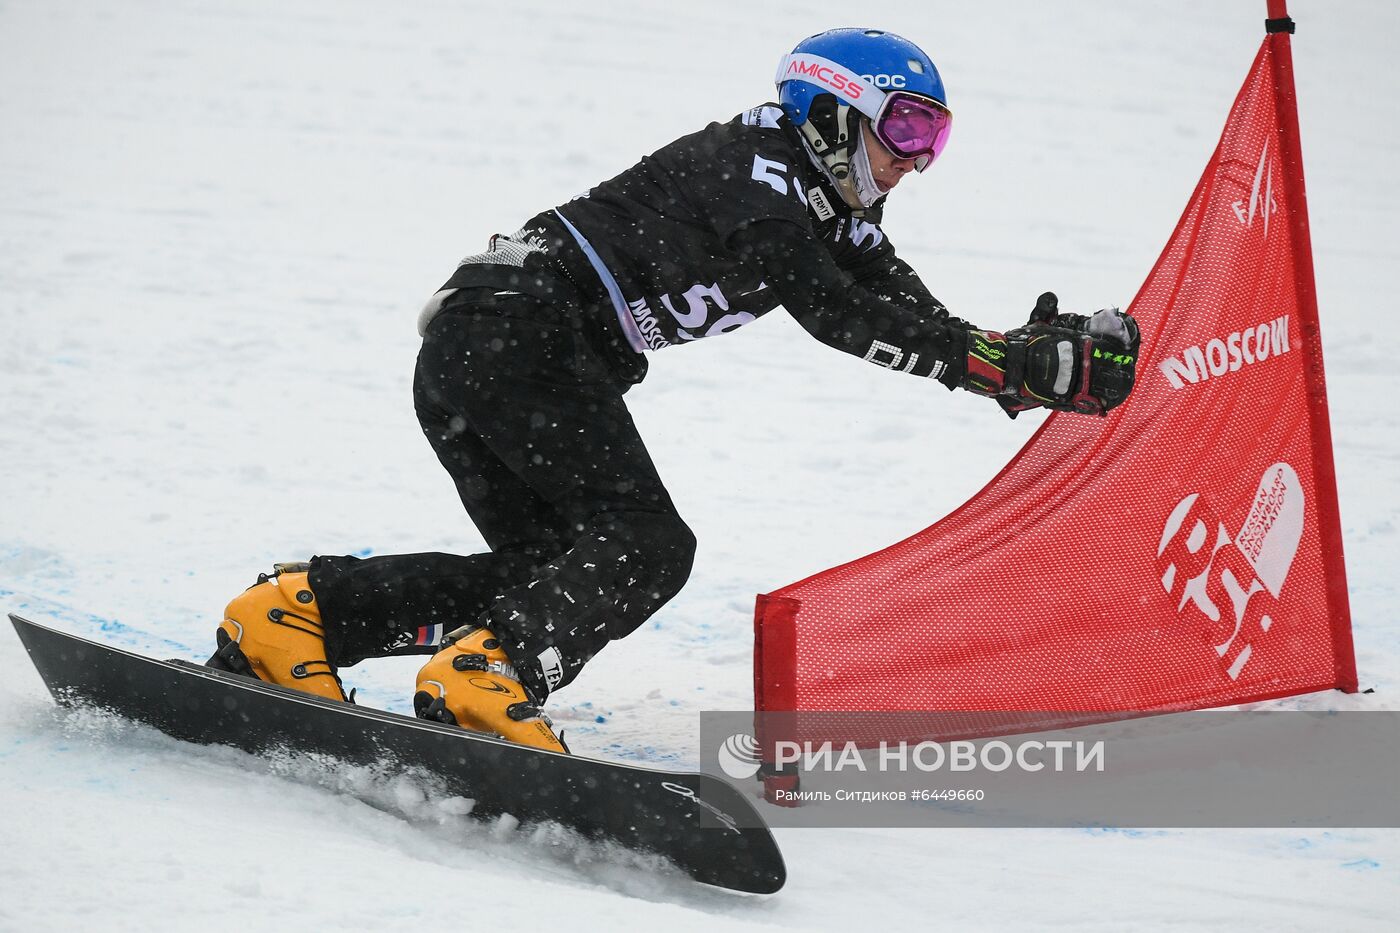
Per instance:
x=585, y=541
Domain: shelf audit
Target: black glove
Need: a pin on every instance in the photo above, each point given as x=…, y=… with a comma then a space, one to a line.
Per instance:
x=1067, y=362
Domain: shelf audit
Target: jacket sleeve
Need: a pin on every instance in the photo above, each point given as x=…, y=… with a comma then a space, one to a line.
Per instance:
x=876, y=309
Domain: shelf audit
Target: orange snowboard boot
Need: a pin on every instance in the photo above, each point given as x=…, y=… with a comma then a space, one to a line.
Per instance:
x=273, y=632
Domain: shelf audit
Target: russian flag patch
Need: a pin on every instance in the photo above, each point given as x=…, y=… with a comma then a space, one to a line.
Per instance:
x=429, y=635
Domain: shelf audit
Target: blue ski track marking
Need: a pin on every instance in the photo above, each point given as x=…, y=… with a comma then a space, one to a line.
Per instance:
x=87, y=623
x=1362, y=864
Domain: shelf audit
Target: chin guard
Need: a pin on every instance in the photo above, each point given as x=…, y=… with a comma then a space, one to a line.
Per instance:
x=835, y=144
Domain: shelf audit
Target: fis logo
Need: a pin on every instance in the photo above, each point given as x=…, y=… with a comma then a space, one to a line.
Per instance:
x=1261, y=201
x=1230, y=586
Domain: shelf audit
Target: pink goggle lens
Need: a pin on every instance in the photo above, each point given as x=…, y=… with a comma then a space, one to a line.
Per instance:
x=914, y=127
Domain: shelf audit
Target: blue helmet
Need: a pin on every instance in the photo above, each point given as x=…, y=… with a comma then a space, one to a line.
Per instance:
x=885, y=60
x=832, y=79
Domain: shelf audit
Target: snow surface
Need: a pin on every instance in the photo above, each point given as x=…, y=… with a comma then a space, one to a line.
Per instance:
x=217, y=222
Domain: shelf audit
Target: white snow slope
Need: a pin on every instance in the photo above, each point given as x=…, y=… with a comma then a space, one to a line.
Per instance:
x=217, y=221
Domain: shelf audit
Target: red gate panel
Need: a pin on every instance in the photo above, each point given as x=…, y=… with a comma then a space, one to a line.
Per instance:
x=1183, y=552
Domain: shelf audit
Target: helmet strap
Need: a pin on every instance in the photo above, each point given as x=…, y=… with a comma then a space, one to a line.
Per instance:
x=862, y=177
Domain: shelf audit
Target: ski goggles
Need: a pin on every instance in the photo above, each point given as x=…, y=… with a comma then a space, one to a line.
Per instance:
x=912, y=126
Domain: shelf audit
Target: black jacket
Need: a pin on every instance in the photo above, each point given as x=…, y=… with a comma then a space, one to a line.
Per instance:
x=712, y=231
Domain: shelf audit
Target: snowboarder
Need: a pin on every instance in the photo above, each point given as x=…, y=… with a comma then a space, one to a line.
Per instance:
x=529, y=347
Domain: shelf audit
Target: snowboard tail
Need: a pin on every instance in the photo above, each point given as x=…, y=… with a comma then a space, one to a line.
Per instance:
x=704, y=826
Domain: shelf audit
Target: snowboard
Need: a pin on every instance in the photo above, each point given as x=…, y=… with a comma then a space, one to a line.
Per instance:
x=705, y=827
